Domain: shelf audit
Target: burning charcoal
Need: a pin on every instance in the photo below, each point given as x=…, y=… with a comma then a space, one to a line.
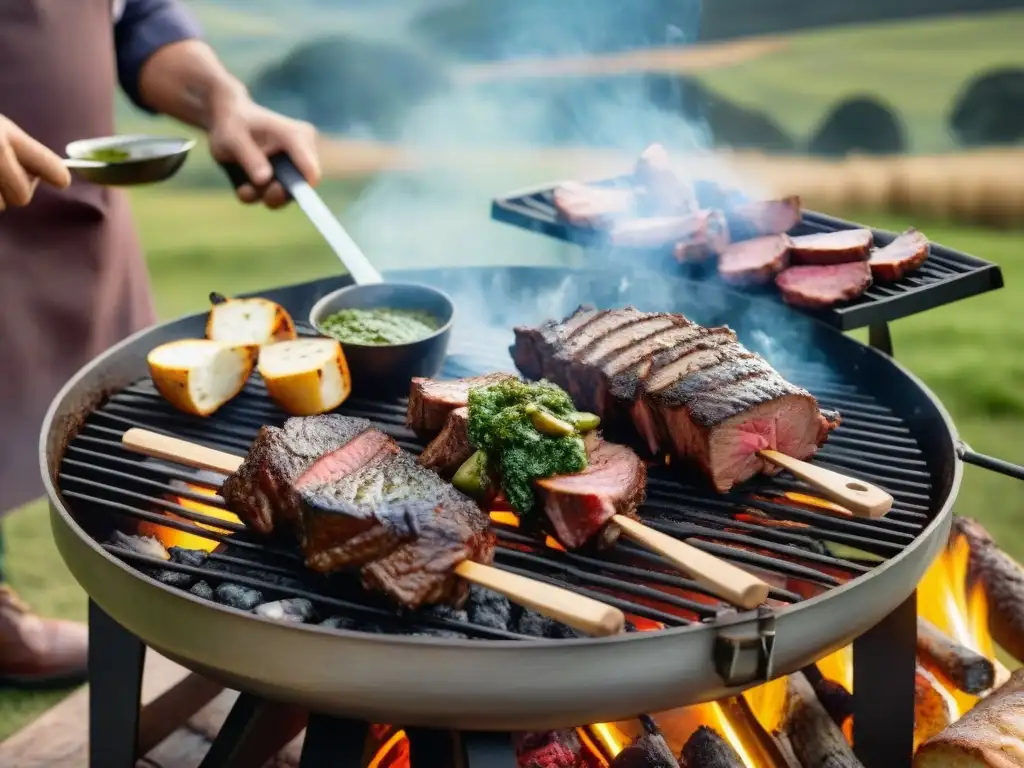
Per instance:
x=142, y=545
x=548, y=749
x=707, y=749
x=193, y=557
x=174, y=578
x=559, y=631
x=531, y=623
x=488, y=609
x=297, y=609
x=648, y=750
x=203, y=590
x=234, y=596
x=286, y=582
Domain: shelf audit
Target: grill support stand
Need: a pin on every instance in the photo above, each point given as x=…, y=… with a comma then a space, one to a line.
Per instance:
x=116, y=659
x=884, y=668
x=880, y=337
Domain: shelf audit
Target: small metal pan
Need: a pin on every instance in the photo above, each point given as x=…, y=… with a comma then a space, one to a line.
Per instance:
x=375, y=369
x=149, y=159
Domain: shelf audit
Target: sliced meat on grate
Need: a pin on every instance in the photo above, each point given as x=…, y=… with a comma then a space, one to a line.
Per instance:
x=451, y=448
x=832, y=247
x=690, y=391
x=579, y=506
x=666, y=193
x=818, y=287
x=591, y=206
x=431, y=400
x=900, y=257
x=764, y=217
x=754, y=262
x=262, y=492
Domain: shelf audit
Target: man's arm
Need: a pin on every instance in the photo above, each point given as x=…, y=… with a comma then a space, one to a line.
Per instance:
x=165, y=68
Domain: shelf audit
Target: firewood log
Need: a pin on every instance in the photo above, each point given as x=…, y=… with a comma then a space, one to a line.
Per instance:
x=810, y=732
x=934, y=708
x=989, y=736
x=968, y=670
x=707, y=749
x=836, y=700
x=1002, y=578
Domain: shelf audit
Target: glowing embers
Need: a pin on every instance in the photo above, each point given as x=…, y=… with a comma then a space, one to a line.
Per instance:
x=189, y=497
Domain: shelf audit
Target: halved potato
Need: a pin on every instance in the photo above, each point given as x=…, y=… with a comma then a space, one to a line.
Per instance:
x=249, y=321
x=198, y=375
x=305, y=376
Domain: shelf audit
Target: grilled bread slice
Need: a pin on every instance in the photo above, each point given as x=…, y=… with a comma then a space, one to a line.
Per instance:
x=305, y=376
x=199, y=375
x=249, y=321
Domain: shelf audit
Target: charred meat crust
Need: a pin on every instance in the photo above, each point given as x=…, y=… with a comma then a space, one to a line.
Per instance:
x=451, y=448
x=701, y=396
x=431, y=400
x=354, y=499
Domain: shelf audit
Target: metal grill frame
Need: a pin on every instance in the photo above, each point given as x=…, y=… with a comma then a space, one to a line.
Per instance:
x=498, y=689
x=962, y=275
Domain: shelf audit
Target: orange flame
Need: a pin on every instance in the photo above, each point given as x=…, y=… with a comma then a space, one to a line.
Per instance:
x=172, y=537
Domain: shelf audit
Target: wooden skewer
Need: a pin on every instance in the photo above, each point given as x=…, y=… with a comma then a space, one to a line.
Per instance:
x=578, y=611
x=860, y=498
x=721, y=578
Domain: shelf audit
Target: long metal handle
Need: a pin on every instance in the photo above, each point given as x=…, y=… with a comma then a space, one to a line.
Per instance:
x=344, y=247
x=990, y=463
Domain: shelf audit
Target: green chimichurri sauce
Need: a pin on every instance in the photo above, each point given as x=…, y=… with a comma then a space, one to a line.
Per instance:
x=379, y=326
x=109, y=155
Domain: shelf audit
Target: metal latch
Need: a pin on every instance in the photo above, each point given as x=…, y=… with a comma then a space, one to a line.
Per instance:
x=745, y=646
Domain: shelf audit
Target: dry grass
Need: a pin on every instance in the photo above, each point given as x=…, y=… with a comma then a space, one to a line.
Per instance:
x=691, y=59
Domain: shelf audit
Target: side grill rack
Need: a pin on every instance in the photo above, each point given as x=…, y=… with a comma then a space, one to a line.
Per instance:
x=793, y=547
x=947, y=276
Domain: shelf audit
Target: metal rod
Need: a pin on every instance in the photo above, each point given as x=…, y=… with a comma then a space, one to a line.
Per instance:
x=884, y=664
x=116, y=661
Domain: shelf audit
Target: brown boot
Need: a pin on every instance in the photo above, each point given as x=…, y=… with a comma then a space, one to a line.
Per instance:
x=37, y=652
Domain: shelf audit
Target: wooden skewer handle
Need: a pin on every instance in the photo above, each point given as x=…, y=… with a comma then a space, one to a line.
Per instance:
x=578, y=611
x=859, y=497
x=721, y=578
x=180, y=451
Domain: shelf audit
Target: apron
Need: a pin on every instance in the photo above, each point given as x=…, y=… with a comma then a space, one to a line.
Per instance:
x=72, y=278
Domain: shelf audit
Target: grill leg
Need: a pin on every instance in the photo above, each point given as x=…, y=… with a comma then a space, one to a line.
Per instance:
x=884, y=663
x=116, y=659
x=429, y=748
x=254, y=732
x=489, y=750
x=333, y=743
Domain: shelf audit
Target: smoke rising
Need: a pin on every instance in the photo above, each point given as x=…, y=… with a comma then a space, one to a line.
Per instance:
x=489, y=132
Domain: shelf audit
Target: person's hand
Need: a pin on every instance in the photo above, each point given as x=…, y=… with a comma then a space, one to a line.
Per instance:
x=243, y=132
x=23, y=163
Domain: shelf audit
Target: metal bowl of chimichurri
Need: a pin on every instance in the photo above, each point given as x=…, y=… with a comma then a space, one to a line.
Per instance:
x=390, y=332
x=122, y=161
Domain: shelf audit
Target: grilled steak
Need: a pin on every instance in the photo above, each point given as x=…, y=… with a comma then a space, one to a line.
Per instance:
x=262, y=492
x=904, y=254
x=754, y=262
x=451, y=448
x=832, y=247
x=431, y=400
x=764, y=217
x=666, y=193
x=406, y=526
x=690, y=391
x=817, y=287
x=579, y=506
x=589, y=206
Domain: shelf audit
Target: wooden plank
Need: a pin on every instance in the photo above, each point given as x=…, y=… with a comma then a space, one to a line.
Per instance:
x=59, y=738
